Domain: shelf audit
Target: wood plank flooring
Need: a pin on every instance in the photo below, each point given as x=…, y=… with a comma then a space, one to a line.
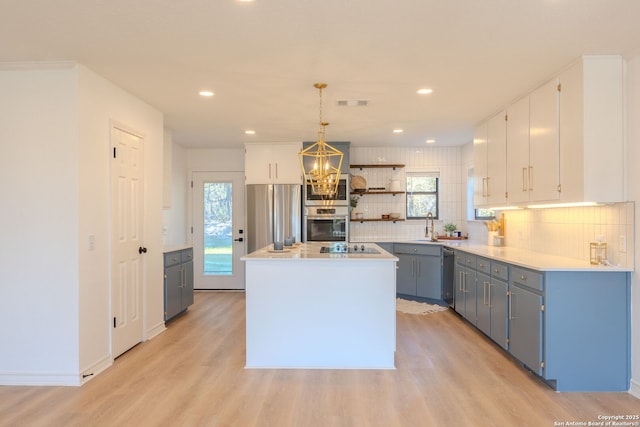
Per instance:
x=448, y=374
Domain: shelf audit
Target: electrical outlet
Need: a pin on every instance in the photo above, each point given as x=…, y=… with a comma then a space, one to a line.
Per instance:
x=91, y=242
x=622, y=244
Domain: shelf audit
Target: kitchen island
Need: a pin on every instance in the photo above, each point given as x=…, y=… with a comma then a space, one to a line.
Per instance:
x=308, y=309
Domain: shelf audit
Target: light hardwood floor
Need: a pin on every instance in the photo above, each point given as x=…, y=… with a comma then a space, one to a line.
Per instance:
x=448, y=374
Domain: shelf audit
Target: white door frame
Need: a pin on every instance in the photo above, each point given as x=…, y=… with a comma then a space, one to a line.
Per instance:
x=236, y=281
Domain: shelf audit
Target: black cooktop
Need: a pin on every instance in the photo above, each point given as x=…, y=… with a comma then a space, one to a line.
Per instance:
x=343, y=248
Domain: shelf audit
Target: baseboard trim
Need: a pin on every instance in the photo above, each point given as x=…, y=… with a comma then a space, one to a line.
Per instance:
x=634, y=390
x=92, y=371
x=155, y=331
x=39, y=379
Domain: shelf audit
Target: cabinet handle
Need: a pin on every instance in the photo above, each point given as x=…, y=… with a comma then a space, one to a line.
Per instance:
x=276, y=171
x=530, y=178
x=460, y=281
x=524, y=179
x=464, y=281
x=484, y=187
x=269, y=170
x=484, y=292
x=417, y=268
x=523, y=277
x=488, y=192
x=481, y=265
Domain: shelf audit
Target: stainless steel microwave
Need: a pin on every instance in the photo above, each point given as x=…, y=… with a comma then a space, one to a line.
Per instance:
x=341, y=198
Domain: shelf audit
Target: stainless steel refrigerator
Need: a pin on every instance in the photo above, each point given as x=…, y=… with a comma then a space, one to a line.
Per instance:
x=274, y=211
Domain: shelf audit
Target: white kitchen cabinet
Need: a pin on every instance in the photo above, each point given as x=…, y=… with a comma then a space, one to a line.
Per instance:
x=272, y=163
x=518, y=151
x=591, y=130
x=533, y=146
x=489, y=153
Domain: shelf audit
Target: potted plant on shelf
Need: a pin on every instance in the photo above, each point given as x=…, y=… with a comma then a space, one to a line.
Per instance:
x=449, y=228
x=353, y=202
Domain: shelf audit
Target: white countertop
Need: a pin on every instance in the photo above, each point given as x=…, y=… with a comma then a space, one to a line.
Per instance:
x=311, y=251
x=173, y=248
x=523, y=258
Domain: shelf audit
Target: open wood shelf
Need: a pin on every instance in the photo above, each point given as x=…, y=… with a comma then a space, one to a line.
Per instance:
x=377, y=220
x=356, y=193
x=392, y=166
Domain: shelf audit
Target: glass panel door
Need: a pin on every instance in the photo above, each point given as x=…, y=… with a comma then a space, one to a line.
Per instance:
x=218, y=230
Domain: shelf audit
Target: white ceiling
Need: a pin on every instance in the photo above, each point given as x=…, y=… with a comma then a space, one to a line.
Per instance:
x=262, y=58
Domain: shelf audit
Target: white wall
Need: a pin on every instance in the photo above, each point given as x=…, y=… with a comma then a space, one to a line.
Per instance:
x=38, y=224
x=175, y=215
x=633, y=180
x=102, y=104
x=54, y=299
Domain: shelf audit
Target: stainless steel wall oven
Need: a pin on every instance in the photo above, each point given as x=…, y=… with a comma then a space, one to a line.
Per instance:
x=326, y=224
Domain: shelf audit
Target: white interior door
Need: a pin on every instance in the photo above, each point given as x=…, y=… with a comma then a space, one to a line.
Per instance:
x=126, y=240
x=218, y=230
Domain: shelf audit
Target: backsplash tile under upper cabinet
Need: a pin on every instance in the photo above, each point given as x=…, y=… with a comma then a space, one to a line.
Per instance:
x=568, y=231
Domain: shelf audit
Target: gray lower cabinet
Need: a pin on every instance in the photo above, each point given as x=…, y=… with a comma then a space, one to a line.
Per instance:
x=419, y=270
x=571, y=328
x=178, y=282
x=492, y=299
x=465, y=286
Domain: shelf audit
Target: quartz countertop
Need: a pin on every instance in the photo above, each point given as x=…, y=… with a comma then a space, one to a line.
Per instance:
x=520, y=257
x=311, y=251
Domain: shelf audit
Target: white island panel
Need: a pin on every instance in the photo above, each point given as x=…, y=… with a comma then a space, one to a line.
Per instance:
x=319, y=314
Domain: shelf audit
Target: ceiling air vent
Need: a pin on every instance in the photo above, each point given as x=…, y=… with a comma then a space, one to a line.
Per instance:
x=352, y=102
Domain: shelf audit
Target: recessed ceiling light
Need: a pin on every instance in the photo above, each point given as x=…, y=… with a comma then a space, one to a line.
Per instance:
x=206, y=93
x=430, y=141
x=398, y=131
x=424, y=91
x=250, y=132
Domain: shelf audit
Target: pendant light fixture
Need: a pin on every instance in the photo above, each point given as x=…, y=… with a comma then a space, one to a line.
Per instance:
x=320, y=161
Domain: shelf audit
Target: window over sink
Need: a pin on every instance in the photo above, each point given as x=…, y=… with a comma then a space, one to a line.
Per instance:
x=422, y=194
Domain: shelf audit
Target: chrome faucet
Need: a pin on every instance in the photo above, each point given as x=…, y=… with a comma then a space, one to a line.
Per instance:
x=431, y=231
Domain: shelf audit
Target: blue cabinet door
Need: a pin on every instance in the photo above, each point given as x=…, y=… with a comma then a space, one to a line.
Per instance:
x=482, y=304
x=498, y=300
x=429, y=278
x=172, y=291
x=406, y=275
x=525, y=327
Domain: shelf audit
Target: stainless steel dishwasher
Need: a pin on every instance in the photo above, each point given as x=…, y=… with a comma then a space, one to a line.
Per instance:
x=447, y=275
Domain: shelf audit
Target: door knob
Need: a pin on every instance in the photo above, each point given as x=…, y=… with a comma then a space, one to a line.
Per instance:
x=142, y=250
x=239, y=239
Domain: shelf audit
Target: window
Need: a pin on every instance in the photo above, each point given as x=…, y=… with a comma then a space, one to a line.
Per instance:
x=485, y=214
x=472, y=213
x=422, y=195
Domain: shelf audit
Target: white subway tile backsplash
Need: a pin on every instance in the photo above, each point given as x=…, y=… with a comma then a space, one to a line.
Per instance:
x=568, y=231
x=559, y=231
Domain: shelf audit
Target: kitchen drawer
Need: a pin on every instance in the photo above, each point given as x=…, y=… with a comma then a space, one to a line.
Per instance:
x=403, y=248
x=528, y=278
x=187, y=255
x=499, y=270
x=483, y=265
x=468, y=260
x=171, y=258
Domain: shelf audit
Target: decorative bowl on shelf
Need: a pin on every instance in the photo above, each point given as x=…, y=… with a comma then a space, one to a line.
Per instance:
x=385, y=216
x=394, y=215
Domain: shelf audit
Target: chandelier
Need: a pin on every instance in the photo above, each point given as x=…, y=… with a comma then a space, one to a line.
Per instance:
x=321, y=162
